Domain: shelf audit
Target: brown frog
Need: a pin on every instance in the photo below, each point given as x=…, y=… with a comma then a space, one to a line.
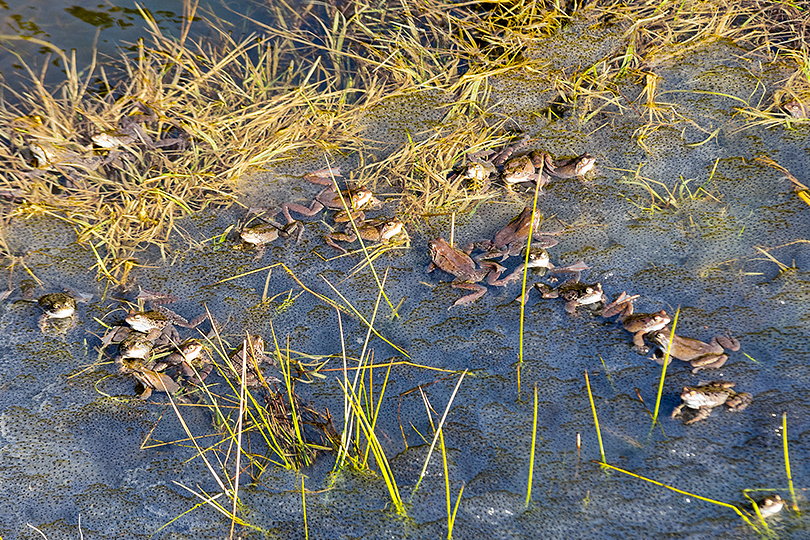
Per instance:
x=467, y=274
x=521, y=169
x=700, y=354
x=377, y=230
x=641, y=324
x=512, y=238
x=263, y=232
x=251, y=352
x=348, y=203
x=705, y=397
x=797, y=109
x=149, y=379
x=575, y=294
x=622, y=306
x=59, y=313
x=155, y=324
x=572, y=168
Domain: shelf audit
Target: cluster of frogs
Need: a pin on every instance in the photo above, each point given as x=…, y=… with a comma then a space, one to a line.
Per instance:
x=149, y=347
x=471, y=269
x=349, y=220
x=518, y=163
x=92, y=148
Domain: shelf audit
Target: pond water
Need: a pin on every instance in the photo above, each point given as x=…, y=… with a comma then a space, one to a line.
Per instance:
x=70, y=438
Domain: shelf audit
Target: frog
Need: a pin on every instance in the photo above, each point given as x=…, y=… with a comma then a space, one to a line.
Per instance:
x=149, y=379
x=59, y=313
x=706, y=396
x=479, y=171
x=641, y=324
x=797, y=109
x=519, y=169
x=353, y=200
x=192, y=360
x=572, y=168
x=622, y=306
x=380, y=230
x=575, y=293
x=467, y=273
x=512, y=238
x=156, y=324
x=57, y=305
x=135, y=345
x=699, y=354
x=769, y=506
x=250, y=350
x=262, y=233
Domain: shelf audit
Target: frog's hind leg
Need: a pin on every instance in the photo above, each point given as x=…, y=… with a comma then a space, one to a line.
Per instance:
x=714, y=362
x=728, y=342
x=323, y=177
x=309, y=211
x=478, y=291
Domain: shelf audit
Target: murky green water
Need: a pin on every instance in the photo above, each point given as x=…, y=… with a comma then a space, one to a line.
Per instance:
x=70, y=454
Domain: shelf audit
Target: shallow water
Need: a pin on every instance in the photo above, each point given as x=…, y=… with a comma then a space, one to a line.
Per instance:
x=70, y=439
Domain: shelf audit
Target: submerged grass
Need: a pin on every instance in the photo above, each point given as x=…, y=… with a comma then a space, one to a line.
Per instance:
x=739, y=512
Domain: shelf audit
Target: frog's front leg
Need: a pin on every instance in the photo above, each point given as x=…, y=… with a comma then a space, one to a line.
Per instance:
x=701, y=414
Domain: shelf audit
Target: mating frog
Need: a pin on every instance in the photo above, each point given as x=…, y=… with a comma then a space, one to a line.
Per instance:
x=192, y=360
x=641, y=324
x=379, y=230
x=467, y=274
x=155, y=324
x=700, y=354
x=353, y=200
x=706, y=397
x=523, y=168
x=135, y=345
x=575, y=294
x=150, y=380
x=511, y=239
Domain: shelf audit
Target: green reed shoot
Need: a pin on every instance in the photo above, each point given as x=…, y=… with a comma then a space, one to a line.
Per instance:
x=788, y=474
x=532, y=451
x=595, y=418
x=660, y=393
x=376, y=448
